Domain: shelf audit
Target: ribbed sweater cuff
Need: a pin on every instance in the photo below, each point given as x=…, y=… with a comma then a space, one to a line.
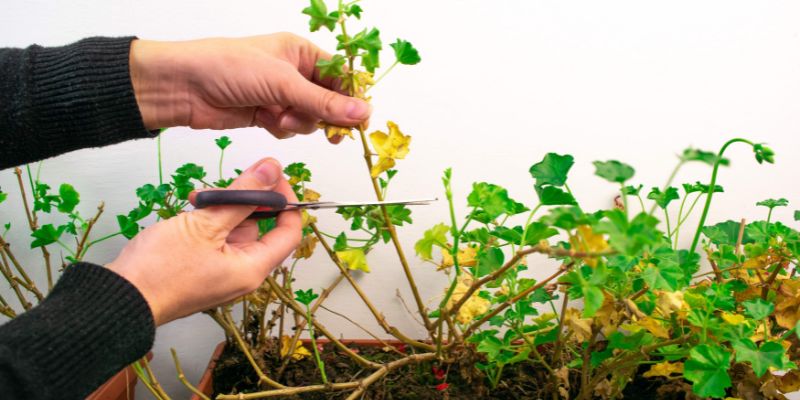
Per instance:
x=67, y=98
x=93, y=323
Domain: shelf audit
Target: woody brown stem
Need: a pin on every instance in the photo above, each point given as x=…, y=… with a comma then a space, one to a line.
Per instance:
x=364, y=383
x=262, y=378
x=289, y=302
x=302, y=324
x=182, y=377
x=5, y=250
x=34, y=225
x=85, y=237
x=6, y=271
x=423, y=312
x=378, y=316
x=553, y=252
x=509, y=302
x=771, y=279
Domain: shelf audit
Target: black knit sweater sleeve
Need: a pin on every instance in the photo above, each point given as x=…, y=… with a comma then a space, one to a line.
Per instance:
x=94, y=322
x=58, y=99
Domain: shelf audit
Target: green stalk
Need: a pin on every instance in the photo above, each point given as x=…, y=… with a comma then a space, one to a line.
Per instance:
x=666, y=218
x=769, y=215
x=528, y=223
x=641, y=202
x=221, y=157
x=624, y=199
x=160, y=169
x=711, y=187
x=320, y=363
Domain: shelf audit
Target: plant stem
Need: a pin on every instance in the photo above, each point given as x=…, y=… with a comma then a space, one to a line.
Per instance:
x=182, y=377
x=711, y=187
x=320, y=364
x=221, y=157
x=386, y=72
x=262, y=378
x=666, y=219
x=32, y=220
x=160, y=169
x=624, y=200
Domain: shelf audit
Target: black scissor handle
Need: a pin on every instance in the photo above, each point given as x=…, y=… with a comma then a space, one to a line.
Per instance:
x=274, y=201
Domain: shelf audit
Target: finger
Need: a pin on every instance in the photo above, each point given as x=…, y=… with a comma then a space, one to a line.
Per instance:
x=246, y=232
x=268, y=120
x=221, y=220
x=297, y=92
x=278, y=243
x=296, y=121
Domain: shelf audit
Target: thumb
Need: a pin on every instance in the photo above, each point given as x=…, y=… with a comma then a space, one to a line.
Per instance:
x=317, y=101
x=263, y=175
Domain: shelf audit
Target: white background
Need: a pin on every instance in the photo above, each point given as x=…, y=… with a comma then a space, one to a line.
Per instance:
x=501, y=84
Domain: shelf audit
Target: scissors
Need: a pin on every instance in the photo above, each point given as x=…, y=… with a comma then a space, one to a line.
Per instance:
x=270, y=203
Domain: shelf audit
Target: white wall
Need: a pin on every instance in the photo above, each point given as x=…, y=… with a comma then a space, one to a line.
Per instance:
x=501, y=83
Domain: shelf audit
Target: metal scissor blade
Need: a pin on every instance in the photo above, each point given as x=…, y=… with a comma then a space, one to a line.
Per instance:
x=337, y=204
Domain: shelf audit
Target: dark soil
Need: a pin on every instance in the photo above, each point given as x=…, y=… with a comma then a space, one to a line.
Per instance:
x=234, y=375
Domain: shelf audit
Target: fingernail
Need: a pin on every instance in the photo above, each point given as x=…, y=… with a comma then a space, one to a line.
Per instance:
x=268, y=172
x=358, y=110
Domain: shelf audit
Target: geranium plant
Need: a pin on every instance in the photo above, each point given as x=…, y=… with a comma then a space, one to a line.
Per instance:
x=624, y=311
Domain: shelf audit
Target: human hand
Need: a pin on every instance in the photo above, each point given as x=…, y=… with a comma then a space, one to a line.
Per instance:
x=268, y=81
x=206, y=257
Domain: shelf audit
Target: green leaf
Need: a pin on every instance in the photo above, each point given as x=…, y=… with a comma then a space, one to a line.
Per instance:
x=151, y=194
x=707, y=157
x=770, y=354
x=797, y=215
x=553, y=196
x=191, y=170
x=405, y=53
x=398, y=213
x=537, y=232
x=46, y=234
x=489, y=260
x=613, y=171
x=632, y=190
x=663, y=278
x=663, y=199
x=305, y=297
x=490, y=345
x=493, y=200
x=699, y=187
x=585, y=283
x=707, y=369
x=552, y=170
x=758, y=309
x=318, y=12
x=297, y=172
x=354, y=10
x=223, y=142
x=773, y=203
x=629, y=237
x=618, y=340
x=69, y=198
x=332, y=67
x=725, y=233
x=3, y=196
x=764, y=153
x=340, y=243
x=436, y=236
x=182, y=186
x=127, y=226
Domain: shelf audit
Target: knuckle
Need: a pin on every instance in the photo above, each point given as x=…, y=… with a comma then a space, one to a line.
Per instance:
x=200, y=224
x=327, y=102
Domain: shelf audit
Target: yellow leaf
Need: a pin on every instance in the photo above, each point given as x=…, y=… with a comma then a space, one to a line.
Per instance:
x=354, y=259
x=308, y=219
x=310, y=195
x=787, y=304
x=664, y=369
x=669, y=302
x=306, y=247
x=581, y=327
x=608, y=316
x=389, y=147
x=654, y=326
x=587, y=241
x=466, y=257
x=299, y=353
x=473, y=307
x=733, y=319
x=789, y=382
x=334, y=130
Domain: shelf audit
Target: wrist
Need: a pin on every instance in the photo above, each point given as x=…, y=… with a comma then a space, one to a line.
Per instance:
x=160, y=87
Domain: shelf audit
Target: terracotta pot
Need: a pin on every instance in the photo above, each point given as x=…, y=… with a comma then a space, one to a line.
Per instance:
x=120, y=387
x=206, y=384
